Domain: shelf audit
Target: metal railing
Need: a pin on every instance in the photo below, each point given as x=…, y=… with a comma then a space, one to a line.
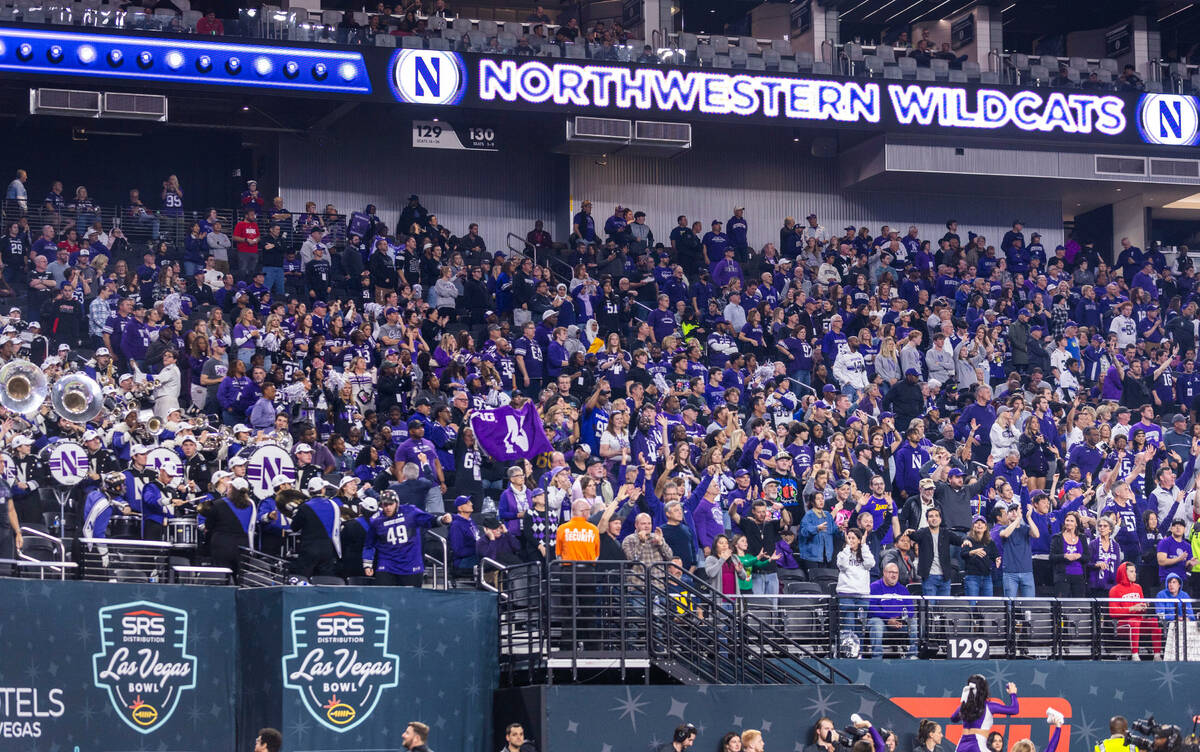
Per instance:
x=120, y=560
x=521, y=623
x=964, y=627
x=34, y=569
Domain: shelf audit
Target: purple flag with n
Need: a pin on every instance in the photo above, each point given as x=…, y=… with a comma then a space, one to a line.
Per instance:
x=508, y=433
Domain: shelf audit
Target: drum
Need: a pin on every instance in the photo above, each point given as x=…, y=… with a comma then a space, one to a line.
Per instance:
x=161, y=457
x=125, y=526
x=67, y=461
x=183, y=532
x=263, y=464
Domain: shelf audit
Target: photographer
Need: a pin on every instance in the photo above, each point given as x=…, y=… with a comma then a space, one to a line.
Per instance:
x=683, y=738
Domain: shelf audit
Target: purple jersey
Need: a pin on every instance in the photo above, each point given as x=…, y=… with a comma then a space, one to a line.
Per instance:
x=393, y=544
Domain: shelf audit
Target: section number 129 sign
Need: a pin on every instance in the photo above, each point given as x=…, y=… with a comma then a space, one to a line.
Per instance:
x=438, y=134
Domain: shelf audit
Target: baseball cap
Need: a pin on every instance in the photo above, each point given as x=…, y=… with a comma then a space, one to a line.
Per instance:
x=820, y=405
x=1071, y=485
x=828, y=388
x=737, y=473
x=318, y=484
x=102, y=351
x=886, y=414
x=237, y=461
x=90, y=435
x=926, y=483
x=459, y=501
x=548, y=314
x=414, y=423
x=912, y=372
x=347, y=478
x=1177, y=417
x=955, y=472
x=280, y=480
x=240, y=483
x=241, y=428
x=303, y=448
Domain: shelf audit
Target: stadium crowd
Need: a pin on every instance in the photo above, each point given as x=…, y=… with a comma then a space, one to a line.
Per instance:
x=917, y=408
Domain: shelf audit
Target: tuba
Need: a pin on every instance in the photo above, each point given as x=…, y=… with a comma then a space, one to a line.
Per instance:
x=23, y=387
x=77, y=397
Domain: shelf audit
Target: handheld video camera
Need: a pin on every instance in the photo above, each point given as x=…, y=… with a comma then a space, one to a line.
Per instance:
x=1147, y=734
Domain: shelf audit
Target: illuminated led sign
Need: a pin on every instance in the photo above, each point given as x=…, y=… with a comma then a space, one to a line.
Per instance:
x=1169, y=119
x=184, y=61
x=714, y=93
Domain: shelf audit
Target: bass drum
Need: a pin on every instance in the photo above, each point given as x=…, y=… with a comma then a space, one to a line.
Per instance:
x=161, y=457
x=183, y=532
x=125, y=527
x=67, y=462
x=263, y=464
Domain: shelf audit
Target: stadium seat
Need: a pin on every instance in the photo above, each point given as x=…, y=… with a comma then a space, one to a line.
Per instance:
x=1078, y=63
x=1039, y=75
x=749, y=44
x=782, y=46
x=873, y=64
x=1195, y=80
x=989, y=77
x=385, y=40
x=770, y=59
x=688, y=42
x=507, y=41
x=37, y=547
x=722, y=61
x=1073, y=76
x=436, y=23
x=958, y=77
x=1020, y=67
x=412, y=42
x=804, y=60
x=720, y=43
x=971, y=68
x=705, y=54
x=738, y=57
x=818, y=67
x=190, y=17
x=908, y=66
x=489, y=28
x=479, y=40
x=854, y=56
x=893, y=72
x=1049, y=61
x=925, y=74
x=575, y=51
x=462, y=25
x=1154, y=86
x=360, y=581
x=787, y=65
x=756, y=63
x=886, y=53
x=437, y=43
x=803, y=588
x=1109, y=64
x=940, y=68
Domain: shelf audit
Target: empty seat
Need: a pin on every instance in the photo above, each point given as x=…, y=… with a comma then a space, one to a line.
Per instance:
x=770, y=59
x=1195, y=82
x=1154, y=86
x=804, y=60
x=971, y=68
x=719, y=43
x=893, y=72
x=940, y=68
x=925, y=74
x=1074, y=76
x=756, y=63
x=437, y=23
x=437, y=43
x=1109, y=64
x=507, y=41
x=803, y=588
x=385, y=40
x=687, y=41
x=1019, y=60
x=1040, y=74
x=874, y=64
x=551, y=50
x=749, y=44
x=1078, y=63
x=908, y=66
x=886, y=53
x=738, y=57
x=787, y=65
x=412, y=42
x=478, y=39
x=1050, y=61
x=705, y=53
x=575, y=51
x=958, y=77
x=821, y=67
x=722, y=61
x=191, y=17
x=989, y=77
x=462, y=25
x=782, y=46
x=488, y=27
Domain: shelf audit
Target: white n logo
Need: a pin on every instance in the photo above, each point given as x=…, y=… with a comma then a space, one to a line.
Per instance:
x=427, y=75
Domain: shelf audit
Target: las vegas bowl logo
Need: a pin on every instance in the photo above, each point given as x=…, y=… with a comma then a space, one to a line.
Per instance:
x=339, y=662
x=428, y=76
x=143, y=662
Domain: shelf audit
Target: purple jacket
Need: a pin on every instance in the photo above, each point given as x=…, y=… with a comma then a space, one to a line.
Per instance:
x=510, y=504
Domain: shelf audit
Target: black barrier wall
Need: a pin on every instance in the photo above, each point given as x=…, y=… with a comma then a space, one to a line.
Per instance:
x=97, y=667
x=345, y=669
x=105, y=667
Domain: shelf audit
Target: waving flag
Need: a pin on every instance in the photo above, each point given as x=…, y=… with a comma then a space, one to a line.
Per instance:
x=508, y=433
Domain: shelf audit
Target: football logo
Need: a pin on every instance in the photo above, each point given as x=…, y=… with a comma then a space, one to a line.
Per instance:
x=143, y=662
x=339, y=662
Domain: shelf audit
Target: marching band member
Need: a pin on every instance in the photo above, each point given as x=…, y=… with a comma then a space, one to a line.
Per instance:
x=100, y=504
x=124, y=435
x=29, y=474
x=237, y=466
x=272, y=514
x=230, y=522
x=102, y=369
x=195, y=466
x=167, y=383
x=100, y=460
x=305, y=469
x=156, y=501
x=241, y=437
x=356, y=519
x=319, y=523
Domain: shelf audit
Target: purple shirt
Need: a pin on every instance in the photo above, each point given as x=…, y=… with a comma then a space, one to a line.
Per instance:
x=1173, y=548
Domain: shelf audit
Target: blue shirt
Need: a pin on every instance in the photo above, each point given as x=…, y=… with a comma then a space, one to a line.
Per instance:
x=1016, y=552
x=895, y=602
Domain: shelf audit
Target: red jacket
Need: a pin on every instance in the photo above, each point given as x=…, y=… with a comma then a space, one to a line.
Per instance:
x=1124, y=594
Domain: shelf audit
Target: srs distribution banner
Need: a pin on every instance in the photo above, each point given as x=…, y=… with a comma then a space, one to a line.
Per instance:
x=102, y=668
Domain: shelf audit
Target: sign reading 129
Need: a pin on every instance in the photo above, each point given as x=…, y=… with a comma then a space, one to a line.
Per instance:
x=428, y=76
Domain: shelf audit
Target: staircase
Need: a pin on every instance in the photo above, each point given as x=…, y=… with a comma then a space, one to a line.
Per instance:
x=625, y=619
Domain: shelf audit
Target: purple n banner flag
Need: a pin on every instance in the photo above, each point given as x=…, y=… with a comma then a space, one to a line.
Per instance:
x=508, y=433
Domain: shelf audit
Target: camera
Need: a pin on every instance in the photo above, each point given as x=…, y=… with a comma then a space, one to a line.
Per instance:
x=1147, y=734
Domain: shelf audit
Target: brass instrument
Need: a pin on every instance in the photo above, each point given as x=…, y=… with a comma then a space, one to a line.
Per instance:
x=23, y=387
x=77, y=397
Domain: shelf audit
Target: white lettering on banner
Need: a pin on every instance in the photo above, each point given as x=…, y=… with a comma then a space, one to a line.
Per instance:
x=713, y=93
x=684, y=91
x=1027, y=110
x=345, y=665
x=24, y=703
x=147, y=666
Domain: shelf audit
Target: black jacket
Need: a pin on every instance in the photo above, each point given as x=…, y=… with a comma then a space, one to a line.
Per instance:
x=924, y=540
x=1059, y=563
x=906, y=400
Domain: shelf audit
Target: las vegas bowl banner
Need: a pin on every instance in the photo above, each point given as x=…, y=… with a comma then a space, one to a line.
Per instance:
x=339, y=662
x=507, y=433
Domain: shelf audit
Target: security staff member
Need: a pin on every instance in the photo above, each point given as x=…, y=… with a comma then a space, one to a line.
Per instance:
x=1117, y=728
